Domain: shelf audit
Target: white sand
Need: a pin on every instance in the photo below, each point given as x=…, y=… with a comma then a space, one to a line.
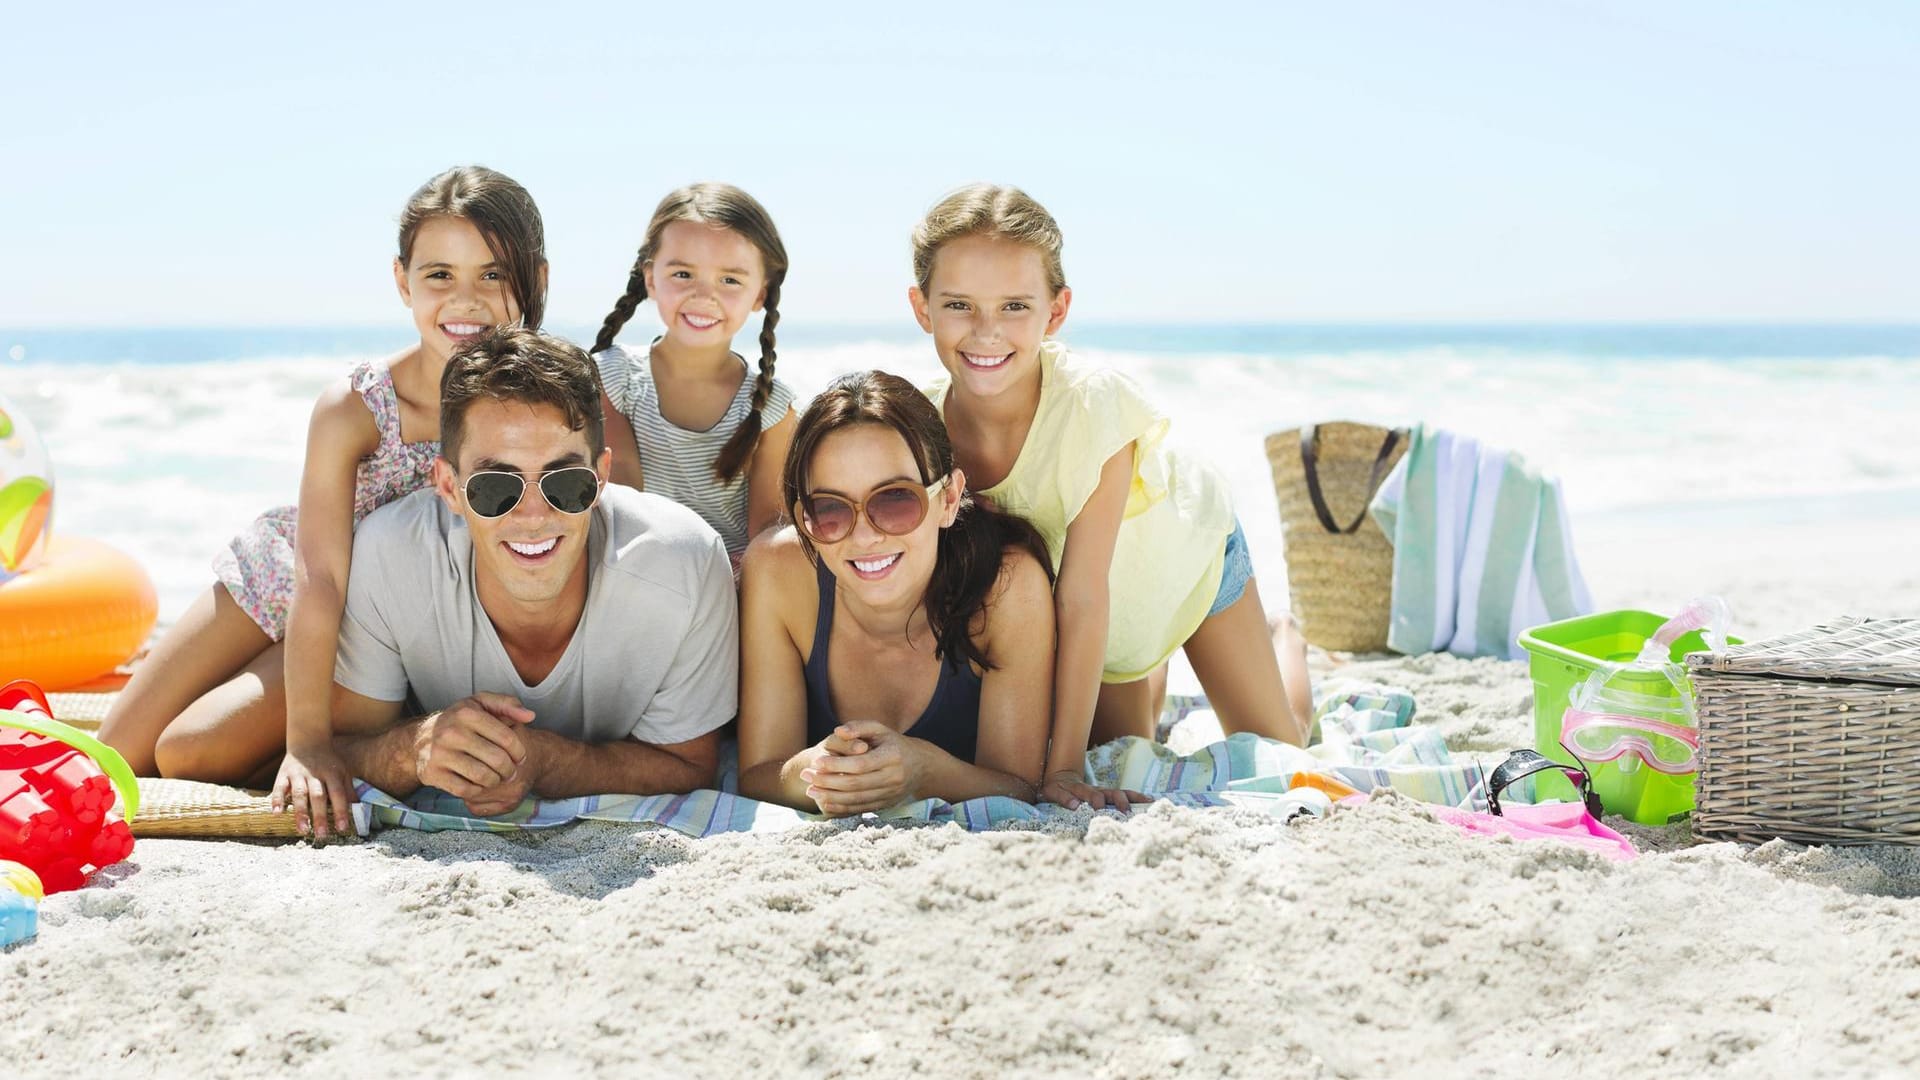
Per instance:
x=1374, y=943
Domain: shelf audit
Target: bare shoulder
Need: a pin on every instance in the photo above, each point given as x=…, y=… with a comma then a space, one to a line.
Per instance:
x=777, y=584
x=1023, y=584
x=777, y=561
x=340, y=419
x=1017, y=618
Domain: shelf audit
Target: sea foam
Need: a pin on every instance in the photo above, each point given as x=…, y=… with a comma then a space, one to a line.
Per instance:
x=170, y=460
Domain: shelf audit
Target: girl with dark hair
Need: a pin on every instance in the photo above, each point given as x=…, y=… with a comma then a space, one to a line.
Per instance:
x=248, y=670
x=896, y=642
x=699, y=430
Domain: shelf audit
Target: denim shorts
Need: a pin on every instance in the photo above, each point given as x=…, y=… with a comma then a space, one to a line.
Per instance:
x=1235, y=575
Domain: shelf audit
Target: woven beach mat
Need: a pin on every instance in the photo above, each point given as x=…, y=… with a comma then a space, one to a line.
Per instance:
x=83, y=710
x=1813, y=737
x=1339, y=563
x=187, y=809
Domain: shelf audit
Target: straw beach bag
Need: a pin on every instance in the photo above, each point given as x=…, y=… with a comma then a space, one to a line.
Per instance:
x=1339, y=563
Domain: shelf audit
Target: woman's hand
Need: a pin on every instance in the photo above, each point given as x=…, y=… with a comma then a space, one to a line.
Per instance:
x=863, y=766
x=315, y=784
x=1071, y=790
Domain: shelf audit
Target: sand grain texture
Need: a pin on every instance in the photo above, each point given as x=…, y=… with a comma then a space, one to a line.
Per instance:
x=1376, y=943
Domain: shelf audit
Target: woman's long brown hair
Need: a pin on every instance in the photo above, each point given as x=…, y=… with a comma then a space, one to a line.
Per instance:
x=970, y=551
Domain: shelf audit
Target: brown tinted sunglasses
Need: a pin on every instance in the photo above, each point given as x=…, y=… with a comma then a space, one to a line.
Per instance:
x=895, y=509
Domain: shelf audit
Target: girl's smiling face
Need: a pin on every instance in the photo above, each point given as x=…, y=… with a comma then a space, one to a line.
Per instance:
x=706, y=281
x=455, y=286
x=988, y=307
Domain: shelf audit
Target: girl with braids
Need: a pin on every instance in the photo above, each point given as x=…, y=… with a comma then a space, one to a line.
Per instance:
x=1149, y=554
x=896, y=643
x=699, y=430
x=247, y=672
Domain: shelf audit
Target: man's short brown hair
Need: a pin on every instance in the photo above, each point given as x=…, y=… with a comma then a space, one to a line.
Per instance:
x=512, y=364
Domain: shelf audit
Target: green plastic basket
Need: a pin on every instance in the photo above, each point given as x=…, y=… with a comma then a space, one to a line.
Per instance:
x=1564, y=654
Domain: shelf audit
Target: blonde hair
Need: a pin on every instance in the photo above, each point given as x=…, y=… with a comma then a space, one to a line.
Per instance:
x=994, y=210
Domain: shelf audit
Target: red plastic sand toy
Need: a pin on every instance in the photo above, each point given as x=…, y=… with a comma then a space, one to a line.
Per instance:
x=57, y=813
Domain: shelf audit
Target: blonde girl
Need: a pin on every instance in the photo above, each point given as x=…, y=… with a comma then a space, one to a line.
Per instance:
x=1148, y=553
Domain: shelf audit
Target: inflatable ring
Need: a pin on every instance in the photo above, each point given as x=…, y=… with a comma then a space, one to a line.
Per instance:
x=83, y=611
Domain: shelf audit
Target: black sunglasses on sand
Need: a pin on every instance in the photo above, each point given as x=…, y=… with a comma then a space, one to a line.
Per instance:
x=572, y=490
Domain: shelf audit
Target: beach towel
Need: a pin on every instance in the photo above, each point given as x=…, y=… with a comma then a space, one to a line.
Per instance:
x=1367, y=742
x=1481, y=548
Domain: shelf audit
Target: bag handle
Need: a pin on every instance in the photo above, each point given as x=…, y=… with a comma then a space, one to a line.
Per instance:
x=1310, y=457
x=1524, y=763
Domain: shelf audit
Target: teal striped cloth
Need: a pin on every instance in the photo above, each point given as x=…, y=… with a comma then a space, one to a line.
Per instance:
x=1481, y=548
x=1367, y=741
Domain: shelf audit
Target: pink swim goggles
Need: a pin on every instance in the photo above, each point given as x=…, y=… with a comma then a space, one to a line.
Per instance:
x=1642, y=712
x=1673, y=749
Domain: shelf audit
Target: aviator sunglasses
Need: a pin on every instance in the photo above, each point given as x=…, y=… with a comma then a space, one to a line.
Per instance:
x=895, y=509
x=572, y=490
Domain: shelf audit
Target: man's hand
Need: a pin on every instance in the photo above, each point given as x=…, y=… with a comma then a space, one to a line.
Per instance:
x=506, y=795
x=863, y=766
x=514, y=790
x=473, y=749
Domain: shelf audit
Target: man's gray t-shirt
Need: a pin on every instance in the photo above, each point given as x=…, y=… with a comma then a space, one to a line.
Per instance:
x=656, y=655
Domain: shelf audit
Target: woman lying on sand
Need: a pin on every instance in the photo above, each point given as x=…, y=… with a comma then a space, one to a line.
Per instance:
x=897, y=643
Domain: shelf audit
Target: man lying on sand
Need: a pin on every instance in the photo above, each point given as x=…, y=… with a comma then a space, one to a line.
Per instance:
x=522, y=627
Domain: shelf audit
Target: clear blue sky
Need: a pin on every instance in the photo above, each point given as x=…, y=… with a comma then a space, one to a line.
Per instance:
x=1465, y=160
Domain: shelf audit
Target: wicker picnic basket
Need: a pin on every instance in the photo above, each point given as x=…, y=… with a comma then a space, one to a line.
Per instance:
x=1813, y=737
x=1339, y=563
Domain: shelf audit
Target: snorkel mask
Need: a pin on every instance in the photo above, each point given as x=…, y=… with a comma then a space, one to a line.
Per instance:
x=1641, y=712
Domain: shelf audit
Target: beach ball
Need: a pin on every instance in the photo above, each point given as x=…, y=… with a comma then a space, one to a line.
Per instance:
x=26, y=493
x=21, y=880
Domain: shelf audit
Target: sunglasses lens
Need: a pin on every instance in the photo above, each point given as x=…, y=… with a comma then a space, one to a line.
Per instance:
x=828, y=519
x=492, y=494
x=896, y=511
x=571, y=491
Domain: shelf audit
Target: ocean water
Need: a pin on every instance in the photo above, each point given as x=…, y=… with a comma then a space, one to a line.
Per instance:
x=168, y=441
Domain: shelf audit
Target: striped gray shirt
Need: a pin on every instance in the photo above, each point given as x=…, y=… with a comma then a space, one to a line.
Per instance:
x=676, y=462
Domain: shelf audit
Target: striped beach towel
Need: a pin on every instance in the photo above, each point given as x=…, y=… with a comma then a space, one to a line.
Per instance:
x=1367, y=742
x=1481, y=548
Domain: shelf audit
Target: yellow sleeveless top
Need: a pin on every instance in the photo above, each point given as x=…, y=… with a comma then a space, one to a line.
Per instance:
x=1168, y=558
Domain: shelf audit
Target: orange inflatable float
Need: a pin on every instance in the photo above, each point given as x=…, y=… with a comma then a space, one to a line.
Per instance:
x=82, y=611
x=71, y=610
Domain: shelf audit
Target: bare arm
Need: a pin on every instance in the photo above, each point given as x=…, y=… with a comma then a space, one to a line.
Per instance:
x=764, y=475
x=376, y=741
x=340, y=433
x=312, y=779
x=1016, y=694
x=470, y=749
x=626, y=449
x=773, y=689
x=865, y=765
x=869, y=766
x=565, y=768
x=479, y=750
x=1081, y=605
